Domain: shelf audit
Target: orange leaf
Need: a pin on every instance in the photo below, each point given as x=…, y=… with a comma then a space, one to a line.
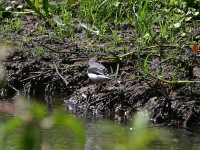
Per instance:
x=195, y=48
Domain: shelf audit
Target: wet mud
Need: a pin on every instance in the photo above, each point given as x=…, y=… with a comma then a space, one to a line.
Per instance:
x=48, y=78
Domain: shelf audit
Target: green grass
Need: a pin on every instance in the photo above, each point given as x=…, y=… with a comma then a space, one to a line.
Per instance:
x=152, y=24
x=165, y=28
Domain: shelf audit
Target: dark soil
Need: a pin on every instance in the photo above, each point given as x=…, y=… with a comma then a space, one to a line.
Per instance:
x=35, y=76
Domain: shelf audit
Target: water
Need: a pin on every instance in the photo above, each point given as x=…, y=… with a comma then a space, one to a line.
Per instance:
x=181, y=139
x=59, y=138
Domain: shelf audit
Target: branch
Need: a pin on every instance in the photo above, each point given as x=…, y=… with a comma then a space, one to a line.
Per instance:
x=65, y=81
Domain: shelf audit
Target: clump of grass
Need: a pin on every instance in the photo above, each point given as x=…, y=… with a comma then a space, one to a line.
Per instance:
x=105, y=15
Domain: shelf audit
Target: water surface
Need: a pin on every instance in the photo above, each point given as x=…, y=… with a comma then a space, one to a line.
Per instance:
x=59, y=138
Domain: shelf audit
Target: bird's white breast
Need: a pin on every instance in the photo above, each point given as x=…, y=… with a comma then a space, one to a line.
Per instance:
x=96, y=78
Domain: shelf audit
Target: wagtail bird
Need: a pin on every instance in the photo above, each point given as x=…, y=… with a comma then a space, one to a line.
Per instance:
x=97, y=72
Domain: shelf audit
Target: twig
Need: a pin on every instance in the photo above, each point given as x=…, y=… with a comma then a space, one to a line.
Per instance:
x=155, y=46
x=117, y=71
x=144, y=50
x=173, y=82
x=146, y=70
x=97, y=101
x=14, y=89
x=66, y=83
x=34, y=76
x=110, y=100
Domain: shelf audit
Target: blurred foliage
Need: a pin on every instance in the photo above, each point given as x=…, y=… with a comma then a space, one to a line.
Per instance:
x=138, y=136
x=36, y=129
x=30, y=118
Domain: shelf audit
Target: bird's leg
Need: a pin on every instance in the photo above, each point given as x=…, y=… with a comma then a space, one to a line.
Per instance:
x=99, y=86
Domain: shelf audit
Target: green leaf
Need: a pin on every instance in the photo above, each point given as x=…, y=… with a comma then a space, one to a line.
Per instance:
x=20, y=6
x=10, y=126
x=37, y=4
x=196, y=13
x=46, y=7
x=116, y=4
x=58, y=20
x=145, y=63
x=32, y=5
x=8, y=8
x=177, y=25
x=188, y=18
x=30, y=137
x=67, y=121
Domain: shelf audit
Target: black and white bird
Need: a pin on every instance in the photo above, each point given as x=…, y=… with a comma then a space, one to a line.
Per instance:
x=97, y=72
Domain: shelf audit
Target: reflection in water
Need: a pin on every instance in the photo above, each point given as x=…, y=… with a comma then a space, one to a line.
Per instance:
x=181, y=139
x=58, y=138
x=93, y=139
